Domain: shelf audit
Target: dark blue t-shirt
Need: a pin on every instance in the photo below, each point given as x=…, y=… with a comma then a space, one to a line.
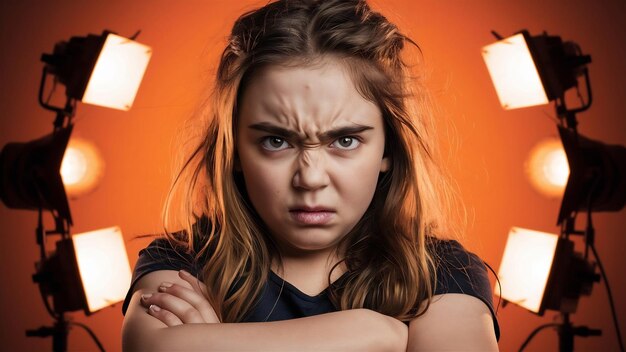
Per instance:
x=458, y=271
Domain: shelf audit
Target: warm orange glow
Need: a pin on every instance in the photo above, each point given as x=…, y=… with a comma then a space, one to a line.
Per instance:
x=547, y=168
x=525, y=267
x=514, y=73
x=82, y=167
x=117, y=73
x=103, y=266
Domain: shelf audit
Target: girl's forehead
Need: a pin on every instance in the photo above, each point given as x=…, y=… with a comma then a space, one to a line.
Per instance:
x=309, y=98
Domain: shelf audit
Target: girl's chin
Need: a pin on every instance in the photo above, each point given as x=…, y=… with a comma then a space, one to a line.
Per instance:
x=305, y=246
x=307, y=240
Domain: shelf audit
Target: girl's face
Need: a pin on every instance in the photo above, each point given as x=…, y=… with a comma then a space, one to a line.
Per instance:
x=311, y=149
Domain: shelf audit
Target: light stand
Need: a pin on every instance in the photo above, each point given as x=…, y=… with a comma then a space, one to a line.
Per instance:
x=103, y=70
x=529, y=71
x=52, y=271
x=572, y=203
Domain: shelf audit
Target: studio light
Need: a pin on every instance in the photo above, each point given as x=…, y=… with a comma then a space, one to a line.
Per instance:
x=87, y=271
x=541, y=271
x=528, y=71
x=103, y=70
x=514, y=74
x=103, y=266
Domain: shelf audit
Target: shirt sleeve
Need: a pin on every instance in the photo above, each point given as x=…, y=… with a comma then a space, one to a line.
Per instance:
x=159, y=255
x=460, y=271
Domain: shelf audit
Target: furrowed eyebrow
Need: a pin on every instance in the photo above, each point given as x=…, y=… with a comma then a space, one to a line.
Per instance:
x=328, y=135
x=273, y=129
x=344, y=131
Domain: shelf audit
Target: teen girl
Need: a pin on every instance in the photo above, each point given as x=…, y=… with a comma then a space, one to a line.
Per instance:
x=315, y=208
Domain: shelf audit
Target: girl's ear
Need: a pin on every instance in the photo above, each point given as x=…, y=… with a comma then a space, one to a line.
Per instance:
x=385, y=164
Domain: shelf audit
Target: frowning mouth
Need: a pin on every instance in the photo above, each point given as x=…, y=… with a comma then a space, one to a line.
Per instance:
x=312, y=215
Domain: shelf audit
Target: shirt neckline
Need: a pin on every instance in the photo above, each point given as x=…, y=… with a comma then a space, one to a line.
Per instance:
x=293, y=289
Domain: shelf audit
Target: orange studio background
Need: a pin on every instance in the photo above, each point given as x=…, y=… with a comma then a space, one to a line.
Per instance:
x=484, y=145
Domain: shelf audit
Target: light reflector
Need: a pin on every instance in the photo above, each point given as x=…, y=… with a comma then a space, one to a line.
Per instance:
x=103, y=266
x=117, y=73
x=82, y=167
x=525, y=268
x=547, y=168
x=514, y=74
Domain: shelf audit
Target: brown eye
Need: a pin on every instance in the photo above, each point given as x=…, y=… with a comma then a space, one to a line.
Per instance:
x=273, y=143
x=346, y=143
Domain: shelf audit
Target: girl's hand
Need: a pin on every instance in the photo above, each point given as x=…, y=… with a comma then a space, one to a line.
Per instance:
x=175, y=304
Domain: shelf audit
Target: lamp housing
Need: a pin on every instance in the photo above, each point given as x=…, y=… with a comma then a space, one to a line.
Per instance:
x=30, y=176
x=541, y=271
x=103, y=70
x=532, y=70
x=88, y=271
x=597, y=179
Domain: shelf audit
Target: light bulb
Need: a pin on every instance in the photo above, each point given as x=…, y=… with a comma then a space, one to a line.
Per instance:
x=82, y=167
x=547, y=168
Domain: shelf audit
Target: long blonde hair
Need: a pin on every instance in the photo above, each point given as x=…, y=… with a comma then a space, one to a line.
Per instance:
x=390, y=266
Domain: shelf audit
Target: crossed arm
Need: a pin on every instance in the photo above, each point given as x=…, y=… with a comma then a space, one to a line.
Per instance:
x=187, y=322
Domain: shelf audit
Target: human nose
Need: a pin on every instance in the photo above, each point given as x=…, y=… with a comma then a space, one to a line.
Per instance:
x=311, y=172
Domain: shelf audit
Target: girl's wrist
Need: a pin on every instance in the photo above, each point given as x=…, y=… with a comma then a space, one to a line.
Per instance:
x=390, y=334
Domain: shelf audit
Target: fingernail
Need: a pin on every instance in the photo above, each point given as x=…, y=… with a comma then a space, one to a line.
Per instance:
x=166, y=284
x=154, y=308
x=146, y=296
x=184, y=272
